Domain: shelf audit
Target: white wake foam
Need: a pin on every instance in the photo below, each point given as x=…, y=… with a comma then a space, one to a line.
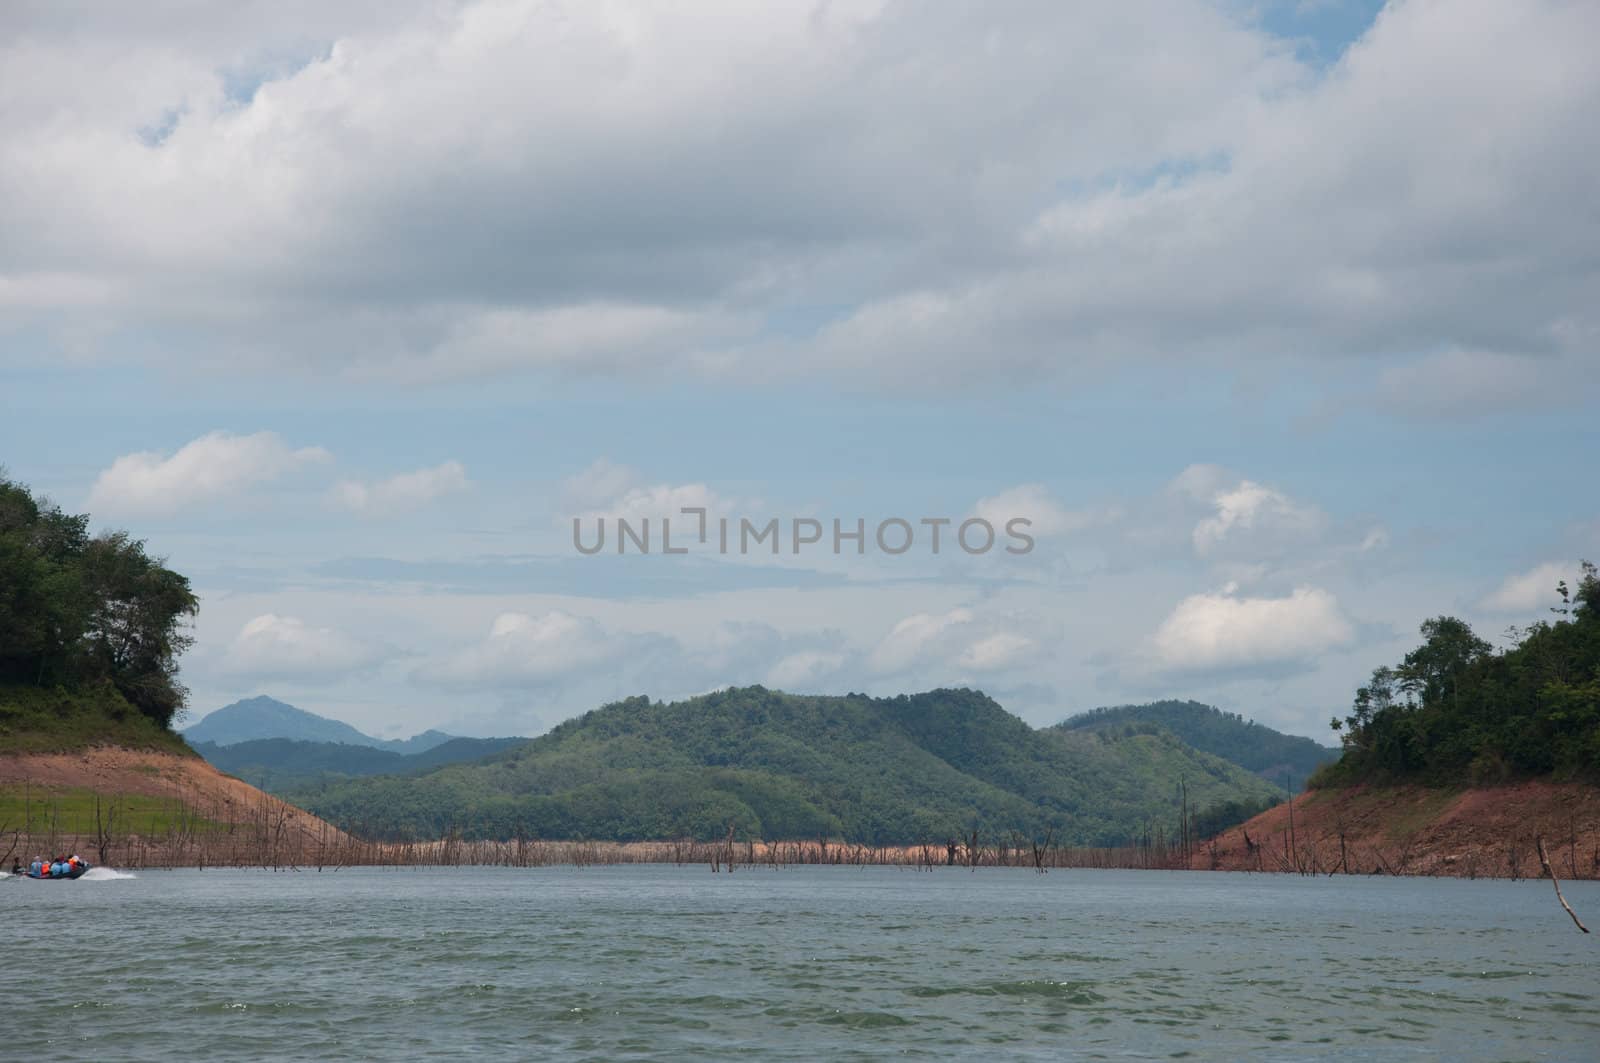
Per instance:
x=103, y=874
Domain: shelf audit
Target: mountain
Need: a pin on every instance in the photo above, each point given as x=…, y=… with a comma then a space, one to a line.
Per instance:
x=422, y=743
x=281, y=764
x=262, y=717
x=458, y=751
x=874, y=770
x=1256, y=747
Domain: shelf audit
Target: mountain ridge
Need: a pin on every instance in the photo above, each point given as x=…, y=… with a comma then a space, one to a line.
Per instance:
x=282, y=764
x=263, y=717
x=770, y=764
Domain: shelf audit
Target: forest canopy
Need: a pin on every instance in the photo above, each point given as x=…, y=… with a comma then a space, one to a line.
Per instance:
x=1269, y=753
x=879, y=771
x=1455, y=711
x=78, y=610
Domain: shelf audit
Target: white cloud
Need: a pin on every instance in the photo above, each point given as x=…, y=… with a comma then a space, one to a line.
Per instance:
x=802, y=672
x=606, y=491
x=910, y=640
x=1222, y=631
x=663, y=501
x=286, y=647
x=1004, y=649
x=1376, y=539
x=524, y=650
x=1253, y=508
x=1533, y=590
x=598, y=485
x=215, y=466
x=401, y=493
x=415, y=190
x=1245, y=520
x=592, y=338
x=1034, y=502
x=937, y=647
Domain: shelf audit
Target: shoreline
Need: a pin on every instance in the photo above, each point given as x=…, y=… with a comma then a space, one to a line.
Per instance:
x=1410, y=830
x=162, y=855
x=143, y=810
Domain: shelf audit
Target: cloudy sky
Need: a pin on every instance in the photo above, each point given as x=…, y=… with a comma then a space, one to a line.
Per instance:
x=1279, y=320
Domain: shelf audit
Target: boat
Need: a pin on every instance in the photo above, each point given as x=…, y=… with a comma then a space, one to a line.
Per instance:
x=70, y=869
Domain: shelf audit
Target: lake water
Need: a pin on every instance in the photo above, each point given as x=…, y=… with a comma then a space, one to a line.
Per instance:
x=841, y=963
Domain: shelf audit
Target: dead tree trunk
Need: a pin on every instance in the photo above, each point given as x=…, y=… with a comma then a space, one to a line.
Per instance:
x=1544, y=861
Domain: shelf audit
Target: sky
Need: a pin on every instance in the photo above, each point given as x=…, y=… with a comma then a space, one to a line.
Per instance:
x=1278, y=323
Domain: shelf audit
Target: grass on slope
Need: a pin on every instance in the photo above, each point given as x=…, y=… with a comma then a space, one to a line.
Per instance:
x=39, y=812
x=54, y=720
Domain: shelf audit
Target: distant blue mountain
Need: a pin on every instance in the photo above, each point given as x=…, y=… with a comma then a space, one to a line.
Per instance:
x=257, y=718
x=286, y=766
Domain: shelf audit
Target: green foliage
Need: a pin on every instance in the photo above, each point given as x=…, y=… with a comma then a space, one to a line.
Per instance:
x=1212, y=821
x=1254, y=746
x=55, y=720
x=879, y=771
x=77, y=610
x=39, y=811
x=1454, y=712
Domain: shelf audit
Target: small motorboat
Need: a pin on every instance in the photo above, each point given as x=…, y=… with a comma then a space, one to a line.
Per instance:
x=71, y=868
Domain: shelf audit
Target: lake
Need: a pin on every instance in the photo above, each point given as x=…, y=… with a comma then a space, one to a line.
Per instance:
x=841, y=963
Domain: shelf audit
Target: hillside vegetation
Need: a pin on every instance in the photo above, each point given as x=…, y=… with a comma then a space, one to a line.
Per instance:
x=774, y=765
x=1455, y=711
x=280, y=765
x=79, y=611
x=91, y=628
x=1269, y=753
x=55, y=720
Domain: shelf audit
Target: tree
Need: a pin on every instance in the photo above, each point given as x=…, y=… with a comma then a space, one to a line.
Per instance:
x=1376, y=697
x=1470, y=714
x=1587, y=596
x=75, y=609
x=1433, y=670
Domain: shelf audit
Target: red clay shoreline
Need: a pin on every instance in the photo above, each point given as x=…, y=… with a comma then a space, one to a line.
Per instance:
x=1413, y=830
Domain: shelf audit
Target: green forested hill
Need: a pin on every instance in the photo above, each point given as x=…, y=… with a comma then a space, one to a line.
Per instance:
x=774, y=765
x=1271, y=754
